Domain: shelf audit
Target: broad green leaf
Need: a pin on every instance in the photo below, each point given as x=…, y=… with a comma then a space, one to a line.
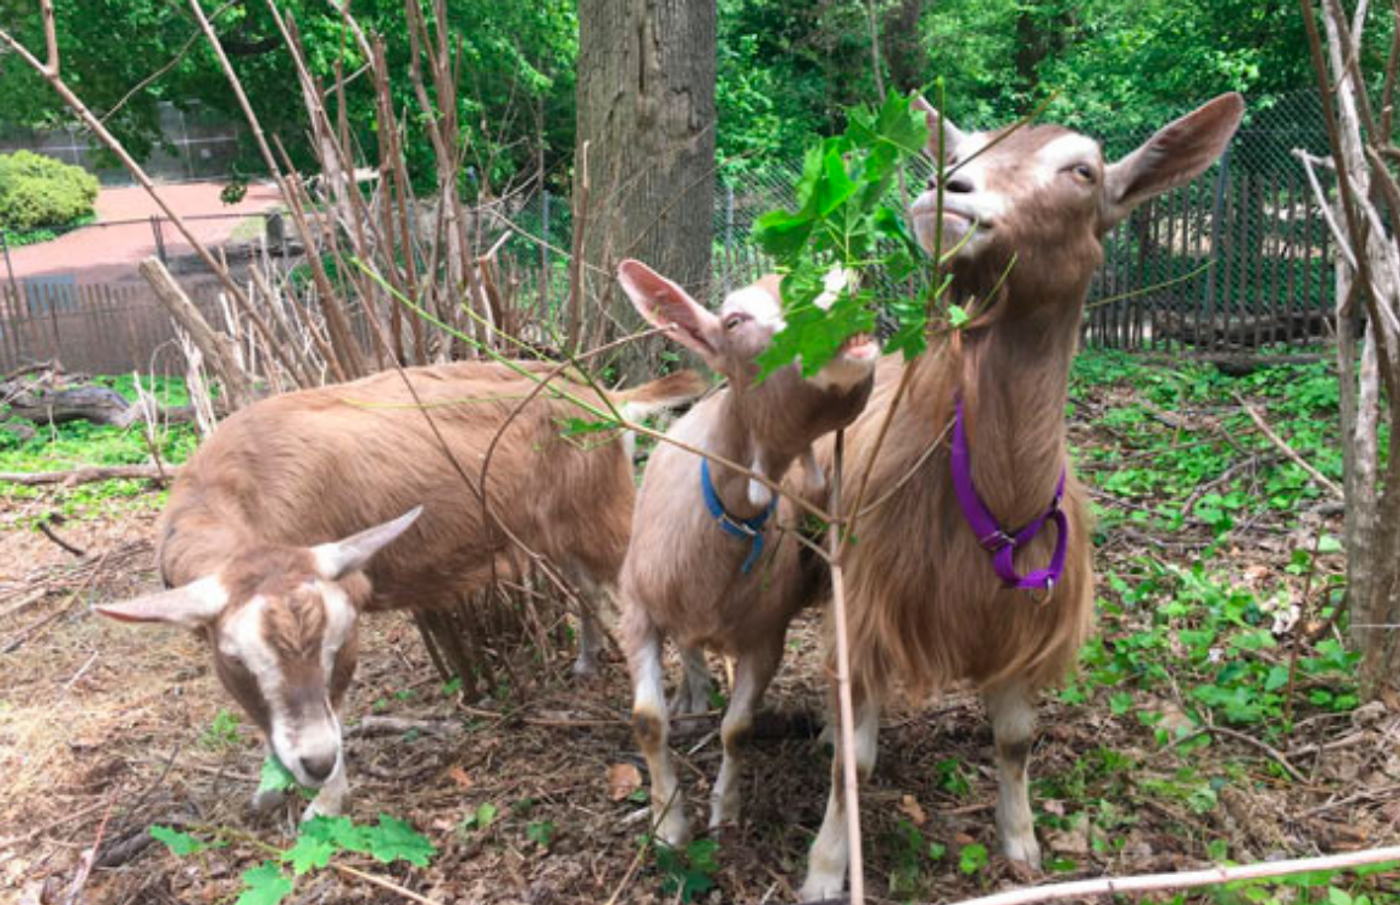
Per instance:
x=340, y=832
x=180, y=844
x=836, y=186
x=309, y=852
x=973, y=858
x=394, y=840
x=275, y=777
x=264, y=885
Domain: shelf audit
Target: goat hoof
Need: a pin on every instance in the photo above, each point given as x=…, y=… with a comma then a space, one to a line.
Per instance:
x=319, y=808
x=674, y=832
x=1024, y=850
x=586, y=667
x=265, y=800
x=723, y=814
x=820, y=887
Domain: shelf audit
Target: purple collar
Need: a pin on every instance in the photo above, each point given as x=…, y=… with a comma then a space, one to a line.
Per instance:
x=1002, y=544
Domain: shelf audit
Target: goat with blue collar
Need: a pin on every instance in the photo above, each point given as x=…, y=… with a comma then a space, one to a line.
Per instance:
x=707, y=565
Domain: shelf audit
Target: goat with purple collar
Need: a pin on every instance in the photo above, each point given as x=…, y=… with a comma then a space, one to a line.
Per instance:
x=706, y=565
x=980, y=571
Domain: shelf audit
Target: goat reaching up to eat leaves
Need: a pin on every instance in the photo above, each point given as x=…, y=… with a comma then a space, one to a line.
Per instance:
x=706, y=565
x=937, y=589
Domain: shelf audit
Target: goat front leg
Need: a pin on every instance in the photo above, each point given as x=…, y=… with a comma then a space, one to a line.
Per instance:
x=693, y=698
x=651, y=725
x=330, y=801
x=1012, y=713
x=590, y=642
x=831, y=852
x=755, y=671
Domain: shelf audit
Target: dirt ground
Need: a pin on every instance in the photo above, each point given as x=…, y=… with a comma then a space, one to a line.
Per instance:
x=106, y=730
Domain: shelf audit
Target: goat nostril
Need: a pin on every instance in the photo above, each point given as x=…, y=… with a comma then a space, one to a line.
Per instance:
x=320, y=767
x=959, y=185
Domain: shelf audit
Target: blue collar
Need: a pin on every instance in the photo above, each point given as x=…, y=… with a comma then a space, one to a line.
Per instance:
x=750, y=529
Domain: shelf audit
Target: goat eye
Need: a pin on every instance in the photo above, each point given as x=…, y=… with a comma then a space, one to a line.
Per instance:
x=733, y=321
x=1084, y=173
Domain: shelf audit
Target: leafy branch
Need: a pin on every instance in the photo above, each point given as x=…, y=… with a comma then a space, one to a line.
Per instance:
x=321, y=839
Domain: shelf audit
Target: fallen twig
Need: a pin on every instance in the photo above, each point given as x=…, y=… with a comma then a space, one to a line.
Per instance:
x=88, y=858
x=392, y=725
x=1321, y=479
x=49, y=533
x=14, y=643
x=1186, y=879
x=88, y=474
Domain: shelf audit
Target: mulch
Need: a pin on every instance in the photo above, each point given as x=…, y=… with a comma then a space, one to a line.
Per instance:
x=104, y=731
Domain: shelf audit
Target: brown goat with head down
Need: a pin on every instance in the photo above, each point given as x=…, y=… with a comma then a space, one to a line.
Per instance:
x=925, y=606
x=250, y=543
x=707, y=565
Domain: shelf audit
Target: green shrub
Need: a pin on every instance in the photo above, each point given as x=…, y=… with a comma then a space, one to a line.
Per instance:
x=38, y=192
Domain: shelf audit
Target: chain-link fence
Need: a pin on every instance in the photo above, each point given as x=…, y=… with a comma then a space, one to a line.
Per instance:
x=1236, y=261
x=195, y=143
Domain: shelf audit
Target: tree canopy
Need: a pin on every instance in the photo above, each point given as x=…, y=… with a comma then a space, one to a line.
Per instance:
x=784, y=70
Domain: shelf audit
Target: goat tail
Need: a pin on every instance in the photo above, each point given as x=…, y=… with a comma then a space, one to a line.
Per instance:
x=661, y=394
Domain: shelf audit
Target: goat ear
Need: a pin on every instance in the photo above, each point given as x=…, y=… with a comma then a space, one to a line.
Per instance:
x=664, y=304
x=1178, y=153
x=342, y=557
x=952, y=135
x=193, y=605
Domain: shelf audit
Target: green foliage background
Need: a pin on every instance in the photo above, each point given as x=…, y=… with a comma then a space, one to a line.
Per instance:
x=785, y=70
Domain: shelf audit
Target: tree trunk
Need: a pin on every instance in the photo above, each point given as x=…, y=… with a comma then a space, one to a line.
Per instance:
x=903, y=50
x=1369, y=271
x=646, y=109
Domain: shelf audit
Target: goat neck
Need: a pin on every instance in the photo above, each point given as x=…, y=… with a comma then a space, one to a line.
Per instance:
x=1013, y=377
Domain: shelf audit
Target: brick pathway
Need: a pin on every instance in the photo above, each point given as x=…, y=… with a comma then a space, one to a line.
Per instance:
x=97, y=253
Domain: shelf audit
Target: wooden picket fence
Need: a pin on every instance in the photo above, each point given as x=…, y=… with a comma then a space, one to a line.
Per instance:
x=109, y=328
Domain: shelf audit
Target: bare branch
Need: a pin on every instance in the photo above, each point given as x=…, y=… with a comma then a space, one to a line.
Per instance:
x=1213, y=876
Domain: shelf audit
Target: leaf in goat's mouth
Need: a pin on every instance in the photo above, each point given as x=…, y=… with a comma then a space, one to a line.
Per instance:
x=277, y=778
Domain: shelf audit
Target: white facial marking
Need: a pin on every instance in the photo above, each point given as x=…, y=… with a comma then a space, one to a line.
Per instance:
x=1064, y=151
x=757, y=304
x=340, y=619
x=242, y=638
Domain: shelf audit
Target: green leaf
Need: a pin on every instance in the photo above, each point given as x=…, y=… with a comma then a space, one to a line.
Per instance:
x=836, y=187
x=1277, y=678
x=309, y=852
x=573, y=427
x=973, y=858
x=181, y=844
x=395, y=840
x=264, y=885
x=957, y=317
x=275, y=777
x=339, y=832
x=485, y=814
x=541, y=833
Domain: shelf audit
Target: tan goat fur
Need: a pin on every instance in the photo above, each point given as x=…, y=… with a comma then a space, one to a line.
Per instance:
x=925, y=608
x=684, y=576
x=256, y=516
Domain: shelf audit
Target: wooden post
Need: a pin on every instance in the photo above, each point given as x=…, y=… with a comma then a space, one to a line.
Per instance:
x=1217, y=239
x=218, y=349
